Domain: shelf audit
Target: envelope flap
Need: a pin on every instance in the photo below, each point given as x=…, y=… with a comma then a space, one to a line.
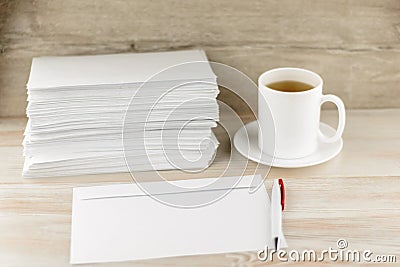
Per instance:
x=172, y=187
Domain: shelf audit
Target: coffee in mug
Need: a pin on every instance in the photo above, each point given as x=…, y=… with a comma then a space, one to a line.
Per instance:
x=290, y=86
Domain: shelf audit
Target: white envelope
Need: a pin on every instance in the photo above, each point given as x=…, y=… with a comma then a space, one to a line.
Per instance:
x=121, y=222
x=106, y=70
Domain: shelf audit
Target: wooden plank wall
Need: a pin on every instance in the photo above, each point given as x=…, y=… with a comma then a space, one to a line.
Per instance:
x=353, y=44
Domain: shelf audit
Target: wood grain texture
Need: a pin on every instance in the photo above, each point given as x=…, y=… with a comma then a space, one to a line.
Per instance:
x=354, y=196
x=354, y=45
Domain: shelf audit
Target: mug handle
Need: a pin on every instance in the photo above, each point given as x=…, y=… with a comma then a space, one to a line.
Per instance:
x=342, y=118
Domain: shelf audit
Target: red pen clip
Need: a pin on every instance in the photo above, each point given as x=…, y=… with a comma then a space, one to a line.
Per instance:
x=282, y=187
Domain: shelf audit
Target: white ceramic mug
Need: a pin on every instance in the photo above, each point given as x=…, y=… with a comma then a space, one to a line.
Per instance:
x=293, y=131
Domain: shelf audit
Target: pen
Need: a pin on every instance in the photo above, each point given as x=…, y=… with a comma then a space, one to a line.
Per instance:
x=277, y=206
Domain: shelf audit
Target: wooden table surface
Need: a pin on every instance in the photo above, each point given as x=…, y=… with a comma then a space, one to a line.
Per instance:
x=355, y=196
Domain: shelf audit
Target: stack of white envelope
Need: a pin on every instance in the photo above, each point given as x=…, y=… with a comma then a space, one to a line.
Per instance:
x=95, y=114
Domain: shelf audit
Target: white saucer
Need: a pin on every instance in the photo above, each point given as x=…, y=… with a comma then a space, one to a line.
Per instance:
x=249, y=148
